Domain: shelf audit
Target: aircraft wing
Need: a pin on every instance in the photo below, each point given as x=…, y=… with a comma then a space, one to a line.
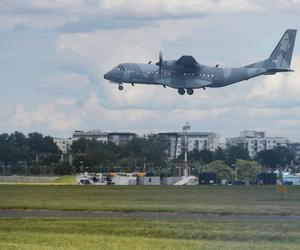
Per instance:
x=187, y=62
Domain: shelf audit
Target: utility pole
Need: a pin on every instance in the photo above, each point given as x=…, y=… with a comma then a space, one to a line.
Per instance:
x=186, y=128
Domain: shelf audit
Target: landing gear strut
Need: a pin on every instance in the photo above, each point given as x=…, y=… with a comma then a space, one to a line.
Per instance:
x=190, y=91
x=181, y=91
x=121, y=87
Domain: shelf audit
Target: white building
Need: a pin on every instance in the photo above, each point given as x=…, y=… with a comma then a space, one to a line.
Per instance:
x=119, y=138
x=63, y=144
x=295, y=148
x=122, y=138
x=255, y=141
x=97, y=135
x=196, y=141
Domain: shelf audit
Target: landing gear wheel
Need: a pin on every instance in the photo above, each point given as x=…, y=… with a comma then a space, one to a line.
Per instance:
x=190, y=91
x=181, y=91
x=121, y=87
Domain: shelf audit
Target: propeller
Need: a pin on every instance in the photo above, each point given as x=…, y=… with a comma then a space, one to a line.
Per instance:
x=159, y=63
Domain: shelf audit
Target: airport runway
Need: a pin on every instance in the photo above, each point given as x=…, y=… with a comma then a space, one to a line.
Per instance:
x=12, y=213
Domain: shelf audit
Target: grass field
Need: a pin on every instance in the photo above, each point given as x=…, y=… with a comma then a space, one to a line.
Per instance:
x=33, y=234
x=66, y=179
x=222, y=200
x=133, y=233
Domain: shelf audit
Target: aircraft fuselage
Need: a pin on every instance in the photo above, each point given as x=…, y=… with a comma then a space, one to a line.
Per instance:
x=202, y=77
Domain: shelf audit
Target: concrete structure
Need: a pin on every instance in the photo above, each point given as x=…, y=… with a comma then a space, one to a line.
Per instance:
x=295, y=149
x=121, y=138
x=125, y=179
x=63, y=144
x=148, y=180
x=170, y=180
x=255, y=141
x=196, y=140
x=97, y=135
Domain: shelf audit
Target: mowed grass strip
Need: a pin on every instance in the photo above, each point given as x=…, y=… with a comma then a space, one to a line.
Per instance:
x=204, y=199
x=122, y=233
x=66, y=179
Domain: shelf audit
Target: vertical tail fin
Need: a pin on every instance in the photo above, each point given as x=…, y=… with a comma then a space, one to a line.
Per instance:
x=282, y=54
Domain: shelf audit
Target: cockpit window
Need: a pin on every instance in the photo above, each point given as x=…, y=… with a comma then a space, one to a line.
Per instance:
x=119, y=68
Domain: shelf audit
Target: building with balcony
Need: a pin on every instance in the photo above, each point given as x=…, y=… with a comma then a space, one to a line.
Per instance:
x=255, y=141
x=195, y=141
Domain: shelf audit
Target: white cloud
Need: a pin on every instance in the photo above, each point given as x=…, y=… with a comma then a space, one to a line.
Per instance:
x=46, y=115
x=278, y=90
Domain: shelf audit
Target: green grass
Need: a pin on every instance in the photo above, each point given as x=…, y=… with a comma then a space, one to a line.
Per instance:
x=120, y=233
x=66, y=179
x=222, y=200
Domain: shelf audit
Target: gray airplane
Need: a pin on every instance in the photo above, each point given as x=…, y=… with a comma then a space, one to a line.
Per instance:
x=186, y=74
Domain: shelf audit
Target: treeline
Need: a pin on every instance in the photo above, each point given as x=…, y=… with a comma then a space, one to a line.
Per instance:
x=38, y=154
x=148, y=151
x=16, y=148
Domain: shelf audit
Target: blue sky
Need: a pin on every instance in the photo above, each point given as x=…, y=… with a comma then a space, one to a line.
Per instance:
x=53, y=55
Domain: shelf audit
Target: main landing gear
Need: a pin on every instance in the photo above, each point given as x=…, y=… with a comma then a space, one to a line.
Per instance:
x=121, y=87
x=189, y=91
x=181, y=91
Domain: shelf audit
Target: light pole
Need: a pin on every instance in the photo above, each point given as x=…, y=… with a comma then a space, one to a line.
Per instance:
x=81, y=166
x=186, y=128
x=235, y=172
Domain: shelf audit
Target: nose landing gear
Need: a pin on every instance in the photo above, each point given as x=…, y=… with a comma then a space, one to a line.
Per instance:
x=120, y=87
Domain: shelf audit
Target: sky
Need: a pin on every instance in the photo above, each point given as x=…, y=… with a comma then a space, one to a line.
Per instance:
x=53, y=55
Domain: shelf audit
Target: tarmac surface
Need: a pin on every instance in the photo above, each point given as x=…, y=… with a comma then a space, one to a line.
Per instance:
x=13, y=213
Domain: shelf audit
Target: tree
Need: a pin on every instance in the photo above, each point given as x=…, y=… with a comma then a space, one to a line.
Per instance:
x=247, y=170
x=285, y=156
x=234, y=153
x=268, y=158
x=206, y=155
x=276, y=158
x=155, y=150
x=80, y=146
x=223, y=171
x=62, y=168
x=17, y=148
x=219, y=154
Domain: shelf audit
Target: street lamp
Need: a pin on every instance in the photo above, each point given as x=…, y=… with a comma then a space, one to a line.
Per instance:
x=235, y=171
x=186, y=128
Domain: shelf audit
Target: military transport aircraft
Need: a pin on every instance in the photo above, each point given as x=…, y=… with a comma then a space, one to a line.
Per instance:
x=186, y=74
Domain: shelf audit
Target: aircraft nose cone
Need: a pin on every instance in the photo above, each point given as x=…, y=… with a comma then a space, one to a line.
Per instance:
x=105, y=76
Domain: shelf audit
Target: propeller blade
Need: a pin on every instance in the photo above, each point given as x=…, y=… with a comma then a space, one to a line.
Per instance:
x=160, y=62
